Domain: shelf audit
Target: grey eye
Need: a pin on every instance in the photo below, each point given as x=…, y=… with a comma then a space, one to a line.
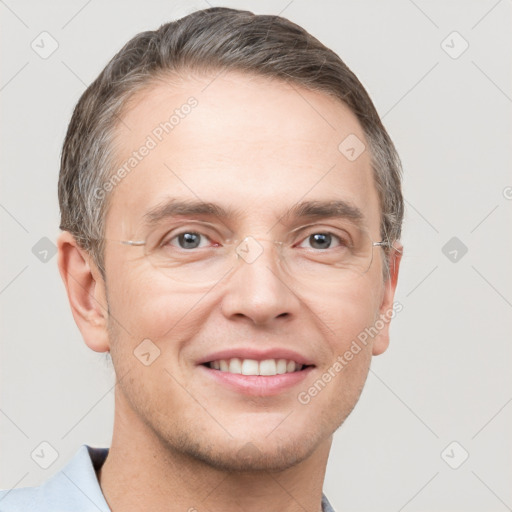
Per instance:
x=320, y=240
x=189, y=240
x=324, y=240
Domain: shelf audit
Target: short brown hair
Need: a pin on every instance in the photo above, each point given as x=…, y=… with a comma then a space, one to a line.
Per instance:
x=209, y=40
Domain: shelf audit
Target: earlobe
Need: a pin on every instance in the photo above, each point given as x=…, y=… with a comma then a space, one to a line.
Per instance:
x=386, y=310
x=86, y=292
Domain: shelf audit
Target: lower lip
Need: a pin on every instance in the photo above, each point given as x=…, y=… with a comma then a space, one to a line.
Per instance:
x=257, y=385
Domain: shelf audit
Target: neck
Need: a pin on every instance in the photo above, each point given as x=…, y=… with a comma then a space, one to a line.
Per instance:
x=140, y=473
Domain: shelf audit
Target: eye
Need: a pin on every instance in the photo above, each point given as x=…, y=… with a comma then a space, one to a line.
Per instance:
x=189, y=240
x=323, y=241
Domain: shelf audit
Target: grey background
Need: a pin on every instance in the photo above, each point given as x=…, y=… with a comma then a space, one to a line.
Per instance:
x=446, y=376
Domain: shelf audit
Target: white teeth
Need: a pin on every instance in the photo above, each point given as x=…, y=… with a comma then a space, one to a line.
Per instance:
x=235, y=365
x=253, y=367
x=250, y=367
x=281, y=366
x=290, y=367
x=268, y=367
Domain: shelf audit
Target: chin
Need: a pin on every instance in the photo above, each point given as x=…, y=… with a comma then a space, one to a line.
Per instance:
x=250, y=458
x=246, y=456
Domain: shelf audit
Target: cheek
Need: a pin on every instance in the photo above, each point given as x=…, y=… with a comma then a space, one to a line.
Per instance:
x=344, y=313
x=148, y=306
x=349, y=315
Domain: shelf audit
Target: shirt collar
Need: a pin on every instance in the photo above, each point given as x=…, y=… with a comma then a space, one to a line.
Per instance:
x=76, y=487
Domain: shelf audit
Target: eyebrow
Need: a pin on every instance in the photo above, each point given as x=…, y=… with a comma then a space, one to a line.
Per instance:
x=325, y=209
x=311, y=210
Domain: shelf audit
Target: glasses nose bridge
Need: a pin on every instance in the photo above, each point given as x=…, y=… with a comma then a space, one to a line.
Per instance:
x=251, y=248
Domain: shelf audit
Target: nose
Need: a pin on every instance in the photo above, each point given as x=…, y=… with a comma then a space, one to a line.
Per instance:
x=257, y=289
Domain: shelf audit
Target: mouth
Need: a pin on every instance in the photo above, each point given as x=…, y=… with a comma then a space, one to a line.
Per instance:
x=261, y=376
x=265, y=367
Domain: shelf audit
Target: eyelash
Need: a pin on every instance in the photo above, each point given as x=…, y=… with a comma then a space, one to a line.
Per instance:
x=343, y=242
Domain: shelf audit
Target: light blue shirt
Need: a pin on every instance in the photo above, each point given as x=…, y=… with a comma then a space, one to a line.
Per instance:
x=74, y=488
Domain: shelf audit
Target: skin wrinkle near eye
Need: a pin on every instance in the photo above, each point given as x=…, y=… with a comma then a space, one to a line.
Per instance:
x=344, y=240
x=310, y=210
x=172, y=254
x=161, y=236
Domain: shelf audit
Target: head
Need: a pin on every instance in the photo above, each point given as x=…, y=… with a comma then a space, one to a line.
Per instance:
x=251, y=117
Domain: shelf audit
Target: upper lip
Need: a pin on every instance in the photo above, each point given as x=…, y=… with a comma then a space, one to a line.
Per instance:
x=258, y=355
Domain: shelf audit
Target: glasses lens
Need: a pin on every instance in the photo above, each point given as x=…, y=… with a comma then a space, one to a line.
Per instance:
x=325, y=258
x=194, y=255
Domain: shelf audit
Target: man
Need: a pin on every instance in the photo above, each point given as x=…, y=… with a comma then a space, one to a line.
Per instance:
x=231, y=214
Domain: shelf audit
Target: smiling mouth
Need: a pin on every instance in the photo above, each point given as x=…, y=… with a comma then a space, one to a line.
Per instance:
x=266, y=367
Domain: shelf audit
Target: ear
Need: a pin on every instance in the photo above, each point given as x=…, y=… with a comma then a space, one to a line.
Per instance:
x=86, y=292
x=386, y=310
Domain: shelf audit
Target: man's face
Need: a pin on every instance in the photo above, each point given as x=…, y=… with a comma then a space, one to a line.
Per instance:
x=259, y=148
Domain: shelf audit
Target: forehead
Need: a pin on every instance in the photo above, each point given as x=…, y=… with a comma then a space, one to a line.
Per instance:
x=247, y=143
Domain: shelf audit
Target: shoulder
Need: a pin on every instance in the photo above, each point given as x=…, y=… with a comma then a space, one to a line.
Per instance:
x=25, y=499
x=74, y=487
x=326, y=506
x=55, y=495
